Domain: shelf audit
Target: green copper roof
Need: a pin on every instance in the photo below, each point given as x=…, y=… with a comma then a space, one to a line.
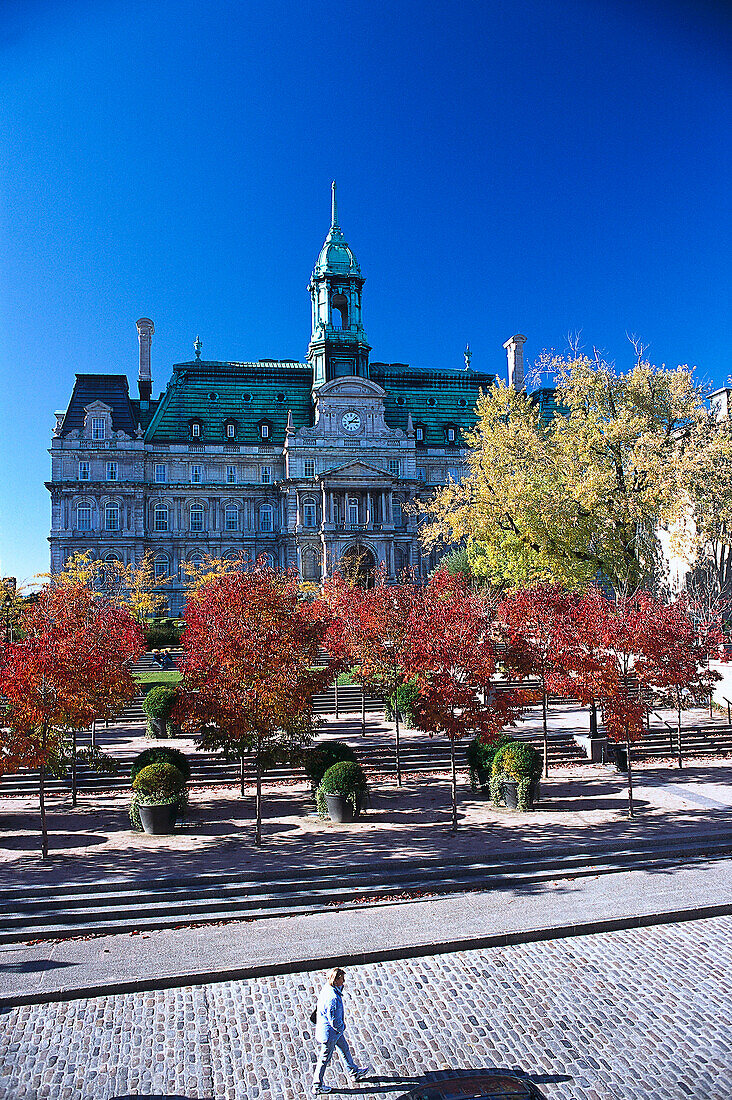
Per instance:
x=247, y=393
x=434, y=398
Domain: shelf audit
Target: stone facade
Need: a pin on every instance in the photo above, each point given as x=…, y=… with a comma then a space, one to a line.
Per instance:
x=302, y=462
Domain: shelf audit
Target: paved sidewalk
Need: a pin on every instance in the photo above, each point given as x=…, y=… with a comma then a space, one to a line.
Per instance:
x=624, y=1015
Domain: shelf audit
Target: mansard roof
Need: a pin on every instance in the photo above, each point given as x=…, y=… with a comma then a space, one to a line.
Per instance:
x=247, y=393
x=433, y=397
x=113, y=390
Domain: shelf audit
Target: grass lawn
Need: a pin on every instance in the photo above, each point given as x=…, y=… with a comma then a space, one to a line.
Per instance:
x=159, y=676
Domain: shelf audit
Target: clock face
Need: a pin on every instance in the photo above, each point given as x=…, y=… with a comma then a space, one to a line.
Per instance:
x=351, y=421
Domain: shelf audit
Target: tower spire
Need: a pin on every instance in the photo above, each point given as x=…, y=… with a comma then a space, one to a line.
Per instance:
x=333, y=206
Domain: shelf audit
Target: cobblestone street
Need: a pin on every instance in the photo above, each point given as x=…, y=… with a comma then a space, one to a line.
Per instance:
x=614, y=1016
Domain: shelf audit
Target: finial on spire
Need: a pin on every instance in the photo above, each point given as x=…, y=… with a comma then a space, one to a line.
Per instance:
x=197, y=345
x=467, y=355
x=333, y=206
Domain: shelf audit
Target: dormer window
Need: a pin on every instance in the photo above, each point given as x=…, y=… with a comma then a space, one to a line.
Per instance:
x=265, y=430
x=97, y=427
x=419, y=433
x=230, y=429
x=196, y=429
x=451, y=433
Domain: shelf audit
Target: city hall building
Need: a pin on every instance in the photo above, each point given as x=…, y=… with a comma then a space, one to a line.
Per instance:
x=305, y=464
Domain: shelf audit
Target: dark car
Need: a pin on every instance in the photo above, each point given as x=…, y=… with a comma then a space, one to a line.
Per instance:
x=478, y=1086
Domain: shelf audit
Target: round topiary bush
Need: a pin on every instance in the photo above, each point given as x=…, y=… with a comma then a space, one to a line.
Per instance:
x=159, y=702
x=404, y=697
x=159, y=779
x=480, y=755
x=345, y=778
x=161, y=755
x=317, y=760
x=520, y=762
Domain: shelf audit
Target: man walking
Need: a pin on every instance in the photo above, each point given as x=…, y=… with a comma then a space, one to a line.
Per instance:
x=329, y=1031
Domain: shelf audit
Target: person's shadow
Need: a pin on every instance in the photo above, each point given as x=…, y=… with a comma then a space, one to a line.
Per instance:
x=509, y=1084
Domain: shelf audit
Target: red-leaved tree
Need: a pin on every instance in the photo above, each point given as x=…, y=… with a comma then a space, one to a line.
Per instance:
x=450, y=652
x=604, y=646
x=249, y=666
x=535, y=622
x=369, y=630
x=674, y=666
x=72, y=667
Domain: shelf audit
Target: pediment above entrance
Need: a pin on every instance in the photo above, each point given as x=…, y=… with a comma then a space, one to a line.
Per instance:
x=355, y=471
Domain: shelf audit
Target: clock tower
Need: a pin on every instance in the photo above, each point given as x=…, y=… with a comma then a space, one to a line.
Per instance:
x=338, y=346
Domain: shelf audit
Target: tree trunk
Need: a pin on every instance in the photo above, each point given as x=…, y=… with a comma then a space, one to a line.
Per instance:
x=258, y=804
x=42, y=806
x=73, y=767
x=631, y=811
x=94, y=734
x=363, y=711
x=454, y=785
x=678, y=729
x=335, y=692
x=398, y=754
x=546, y=733
x=241, y=775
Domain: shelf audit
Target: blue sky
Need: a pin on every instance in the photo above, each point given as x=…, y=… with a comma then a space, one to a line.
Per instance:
x=502, y=167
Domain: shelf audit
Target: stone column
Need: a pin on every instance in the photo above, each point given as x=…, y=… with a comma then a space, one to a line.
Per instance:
x=298, y=521
x=391, y=507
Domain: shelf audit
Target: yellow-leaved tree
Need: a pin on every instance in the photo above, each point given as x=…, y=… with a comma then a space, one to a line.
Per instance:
x=576, y=492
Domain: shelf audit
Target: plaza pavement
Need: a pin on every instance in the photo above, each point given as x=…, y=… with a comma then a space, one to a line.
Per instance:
x=627, y=1015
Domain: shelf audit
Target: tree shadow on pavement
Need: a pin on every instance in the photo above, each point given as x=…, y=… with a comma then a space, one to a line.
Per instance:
x=31, y=965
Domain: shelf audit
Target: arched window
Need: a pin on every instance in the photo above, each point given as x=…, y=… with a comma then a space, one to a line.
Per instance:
x=267, y=560
x=160, y=518
x=308, y=512
x=353, y=511
x=310, y=565
x=339, y=311
x=265, y=518
x=196, y=517
x=231, y=518
x=84, y=517
x=162, y=567
x=111, y=517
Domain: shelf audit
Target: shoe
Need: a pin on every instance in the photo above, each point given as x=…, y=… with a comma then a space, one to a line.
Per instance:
x=360, y=1072
x=320, y=1090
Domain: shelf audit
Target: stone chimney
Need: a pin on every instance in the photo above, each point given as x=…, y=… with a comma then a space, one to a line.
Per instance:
x=515, y=353
x=145, y=329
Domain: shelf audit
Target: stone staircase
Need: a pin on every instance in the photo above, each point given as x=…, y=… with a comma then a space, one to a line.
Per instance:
x=58, y=911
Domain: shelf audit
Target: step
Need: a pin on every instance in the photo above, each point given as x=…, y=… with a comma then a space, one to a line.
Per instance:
x=134, y=918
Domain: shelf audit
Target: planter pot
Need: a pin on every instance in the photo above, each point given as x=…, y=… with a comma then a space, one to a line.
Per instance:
x=158, y=728
x=159, y=820
x=484, y=780
x=340, y=808
x=509, y=793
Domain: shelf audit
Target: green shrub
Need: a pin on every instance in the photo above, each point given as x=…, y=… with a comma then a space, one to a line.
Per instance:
x=518, y=761
x=159, y=779
x=480, y=756
x=346, y=778
x=159, y=702
x=163, y=754
x=317, y=760
x=405, y=697
x=163, y=632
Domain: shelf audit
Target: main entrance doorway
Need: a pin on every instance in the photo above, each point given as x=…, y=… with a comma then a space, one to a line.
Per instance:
x=358, y=565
